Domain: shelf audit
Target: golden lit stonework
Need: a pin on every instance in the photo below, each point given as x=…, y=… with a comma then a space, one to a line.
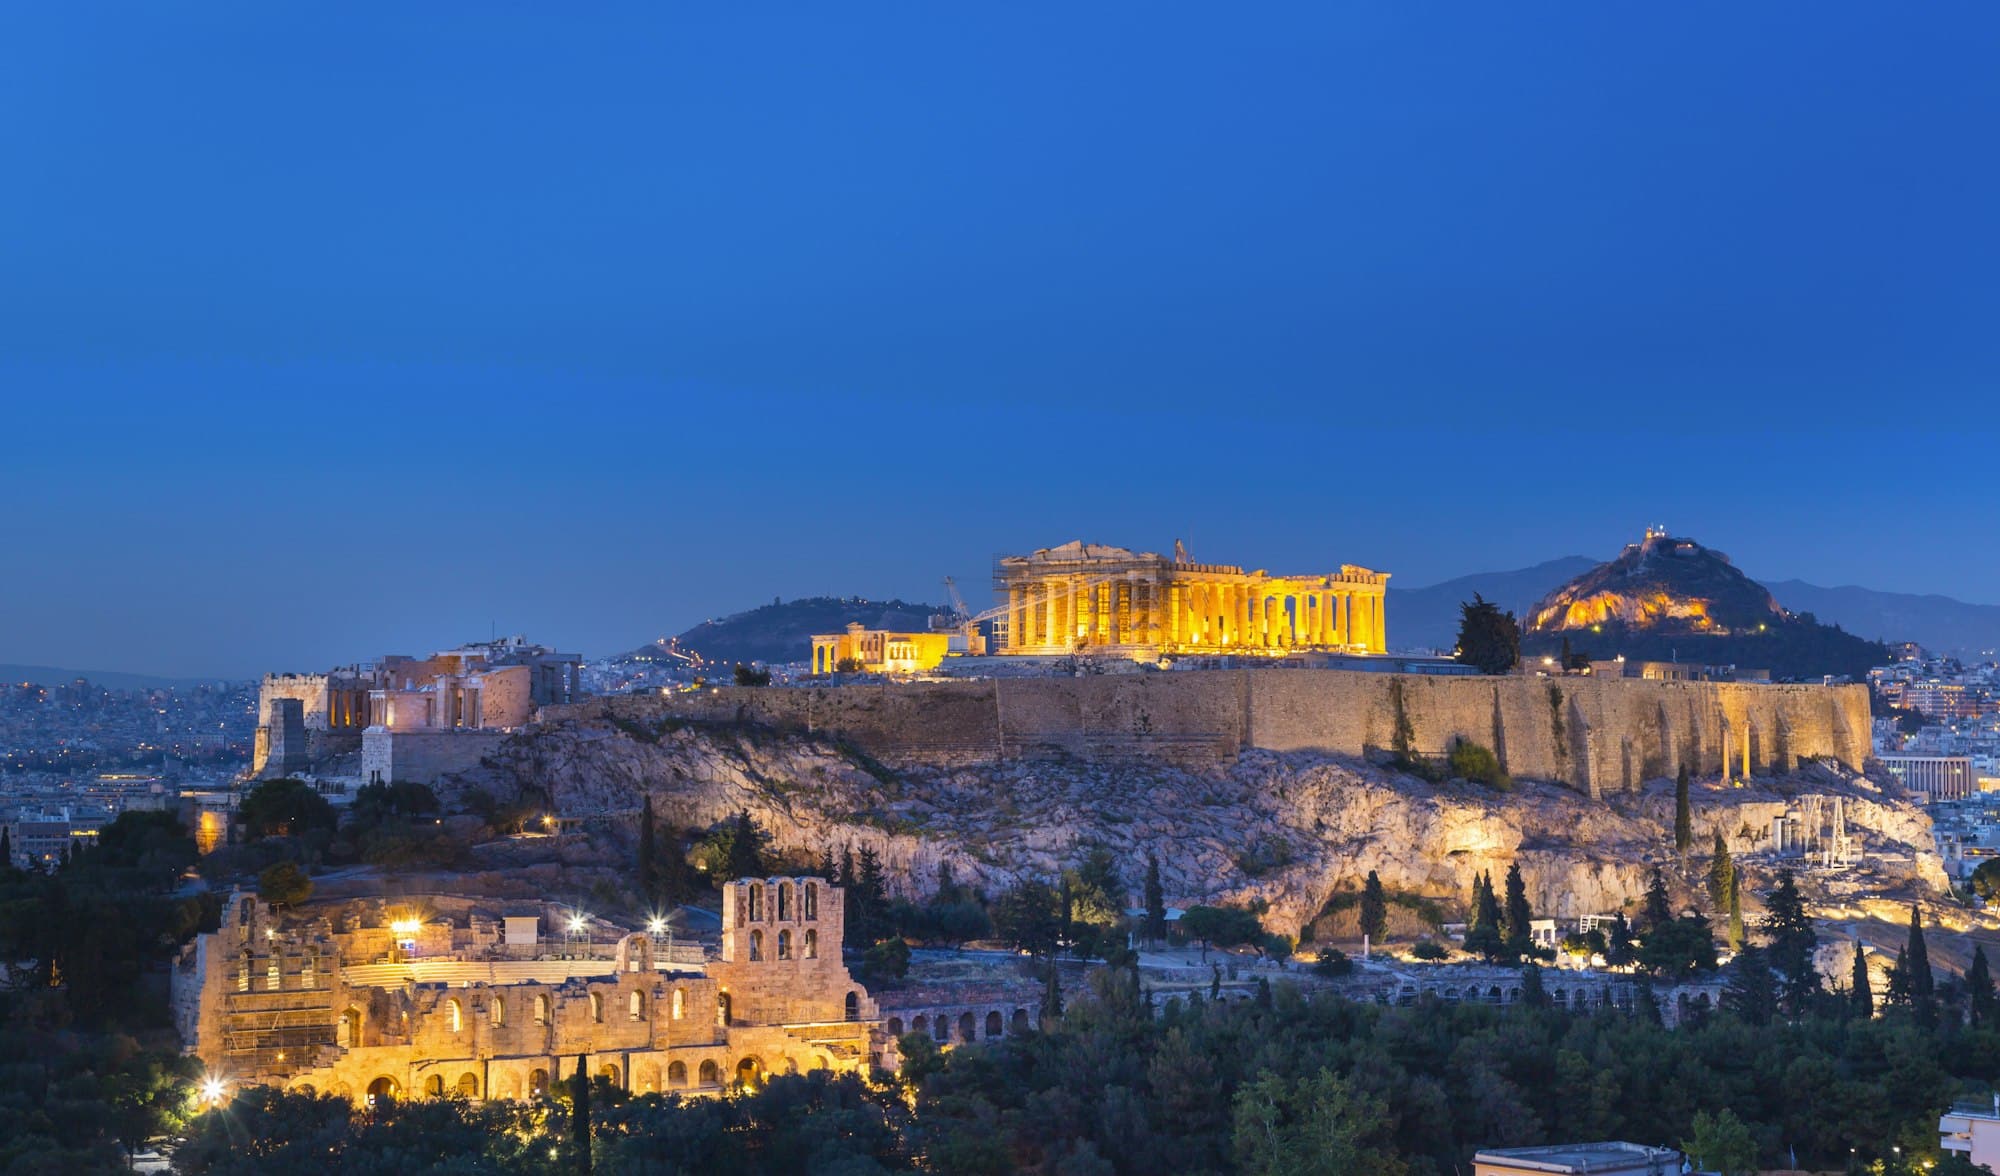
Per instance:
x=1087, y=597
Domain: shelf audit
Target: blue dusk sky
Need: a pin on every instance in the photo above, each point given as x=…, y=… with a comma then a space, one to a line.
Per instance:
x=330, y=330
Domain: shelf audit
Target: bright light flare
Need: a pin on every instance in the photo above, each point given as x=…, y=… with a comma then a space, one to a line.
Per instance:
x=656, y=924
x=576, y=922
x=211, y=1089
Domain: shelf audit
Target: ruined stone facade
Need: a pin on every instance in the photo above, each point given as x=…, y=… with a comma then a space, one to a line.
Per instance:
x=1594, y=734
x=877, y=651
x=1087, y=597
x=409, y=1008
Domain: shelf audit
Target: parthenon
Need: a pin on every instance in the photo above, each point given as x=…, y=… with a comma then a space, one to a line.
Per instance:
x=1087, y=596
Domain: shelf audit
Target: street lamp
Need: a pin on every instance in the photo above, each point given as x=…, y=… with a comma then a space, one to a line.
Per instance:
x=211, y=1089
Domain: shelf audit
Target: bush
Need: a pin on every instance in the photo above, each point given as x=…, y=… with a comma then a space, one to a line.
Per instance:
x=284, y=885
x=886, y=961
x=751, y=676
x=1478, y=764
x=1332, y=963
x=1426, y=949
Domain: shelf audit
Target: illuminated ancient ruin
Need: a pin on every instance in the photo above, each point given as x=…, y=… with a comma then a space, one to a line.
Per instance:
x=1087, y=597
x=401, y=1005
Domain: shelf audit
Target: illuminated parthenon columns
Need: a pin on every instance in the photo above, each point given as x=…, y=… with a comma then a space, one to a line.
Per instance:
x=1083, y=597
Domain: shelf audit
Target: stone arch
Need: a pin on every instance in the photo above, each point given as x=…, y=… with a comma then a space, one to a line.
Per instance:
x=383, y=1089
x=1493, y=994
x=609, y=1073
x=677, y=1074
x=941, y=1028
x=680, y=1003
x=434, y=1086
x=347, y=1034
x=750, y=1072
x=756, y=945
x=1513, y=996
x=821, y=1061
x=1020, y=1021
x=812, y=901
x=851, y=1007
x=468, y=1085
x=722, y=1008
x=784, y=945
x=544, y=1010
x=921, y=1025
x=993, y=1025
x=498, y=1012
x=756, y=902
x=597, y=1007
x=812, y=943
x=538, y=1083
x=895, y=1027
x=454, y=1014
x=784, y=900
x=305, y=1088
x=711, y=1074
x=967, y=1026
x=791, y=1065
x=635, y=1005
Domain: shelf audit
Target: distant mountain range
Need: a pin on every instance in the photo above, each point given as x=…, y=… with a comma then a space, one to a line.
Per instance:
x=782, y=631
x=1427, y=618
x=108, y=679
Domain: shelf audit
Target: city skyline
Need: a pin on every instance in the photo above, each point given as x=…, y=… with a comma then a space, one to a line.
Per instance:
x=391, y=331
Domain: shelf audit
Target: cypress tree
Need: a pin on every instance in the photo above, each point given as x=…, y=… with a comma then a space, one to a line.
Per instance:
x=1683, y=813
x=1979, y=987
x=649, y=871
x=1721, y=875
x=1520, y=919
x=1860, y=992
x=1618, y=944
x=1917, y=969
x=1736, y=936
x=1483, y=934
x=1532, y=993
x=1374, y=909
x=1899, y=980
x=579, y=1116
x=1156, y=901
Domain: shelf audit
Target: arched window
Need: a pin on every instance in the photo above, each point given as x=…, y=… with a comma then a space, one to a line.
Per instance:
x=966, y=1031
x=597, y=1008
x=347, y=1034
x=812, y=943
x=434, y=1086
x=677, y=1074
x=680, y=1003
x=243, y=974
x=784, y=901
x=784, y=945
x=711, y=1074
x=895, y=1026
x=542, y=1009
x=538, y=1083
x=308, y=970
x=812, y=900
x=756, y=902
x=451, y=1013
x=756, y=945
x=993, y=1023
x=273, y=978
x=722, y=1008
x=468, y=1085
x=499, y=1011
x=636, y=1002
x=853, y=1007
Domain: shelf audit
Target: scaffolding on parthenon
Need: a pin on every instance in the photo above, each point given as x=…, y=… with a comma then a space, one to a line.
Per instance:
x=1825, y=842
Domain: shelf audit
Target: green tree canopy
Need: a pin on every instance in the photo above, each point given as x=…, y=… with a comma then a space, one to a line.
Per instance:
x=285, y=808
x=1488, y=638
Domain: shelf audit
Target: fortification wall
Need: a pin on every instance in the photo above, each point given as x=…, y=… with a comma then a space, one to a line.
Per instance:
x=1593, y=734
x=423, y=757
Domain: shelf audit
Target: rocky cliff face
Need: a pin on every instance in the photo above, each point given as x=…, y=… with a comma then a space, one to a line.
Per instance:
x=1290, y=829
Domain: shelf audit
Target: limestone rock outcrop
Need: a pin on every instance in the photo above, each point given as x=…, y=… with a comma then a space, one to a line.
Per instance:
x=1287, y=828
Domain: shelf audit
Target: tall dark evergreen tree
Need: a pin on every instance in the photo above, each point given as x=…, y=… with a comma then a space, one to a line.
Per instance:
x=1898, y=994
x=1483, y=934
x=1683, y=813
x=1793, y=943
x=1618, y=942
x=1917, y=970
x=1735, y=933
x=579, y=1116
x=1374, y=908
x=1979, y=988
x=1533, y=994
x=649, y=871
x=1860, y=990
x=1721, y=874
x=1156, y=901
x=1659, y=907
x=6, y=850
x=746, y=848
x=1520, y=919
x=1751, y=992
x=1488, y=638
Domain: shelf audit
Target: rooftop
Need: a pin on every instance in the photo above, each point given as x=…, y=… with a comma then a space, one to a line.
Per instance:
x=1582, y=1157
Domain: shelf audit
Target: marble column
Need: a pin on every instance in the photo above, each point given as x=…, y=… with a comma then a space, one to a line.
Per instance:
x=1381, y=625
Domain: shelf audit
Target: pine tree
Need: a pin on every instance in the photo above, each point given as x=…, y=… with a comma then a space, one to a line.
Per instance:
x=872, y=896
x=746, y=848
x=1520, y=919
x=1659, y=908
x=1979, y=987
x=1683, y=813
x=1860, y=994
x=1156, y=901
x=1374, y=909
x=1917, y=968
x=1736, y=935
x=649, y=872
x=579, y=1116
x=1721, y=875
x=1751, y=992
x=1793, y=942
